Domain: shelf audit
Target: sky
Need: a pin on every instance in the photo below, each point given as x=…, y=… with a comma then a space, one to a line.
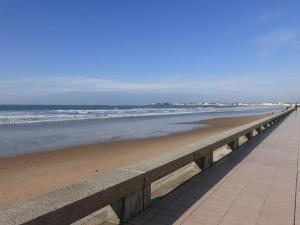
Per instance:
x=140, y=52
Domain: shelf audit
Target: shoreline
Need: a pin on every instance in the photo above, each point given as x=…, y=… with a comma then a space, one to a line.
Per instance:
x=26, y=176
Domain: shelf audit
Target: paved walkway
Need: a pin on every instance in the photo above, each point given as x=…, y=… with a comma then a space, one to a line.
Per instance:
x=256, y=185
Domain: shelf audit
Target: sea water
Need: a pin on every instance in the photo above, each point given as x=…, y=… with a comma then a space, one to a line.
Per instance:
x=30, y=128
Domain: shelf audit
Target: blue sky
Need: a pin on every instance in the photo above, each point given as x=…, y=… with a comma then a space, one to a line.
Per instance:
x=136, y=51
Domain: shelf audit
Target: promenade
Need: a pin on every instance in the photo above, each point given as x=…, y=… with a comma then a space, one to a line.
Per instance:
x=255, y=185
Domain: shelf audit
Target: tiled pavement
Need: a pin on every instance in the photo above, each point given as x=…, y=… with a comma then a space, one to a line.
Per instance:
x=256, y=185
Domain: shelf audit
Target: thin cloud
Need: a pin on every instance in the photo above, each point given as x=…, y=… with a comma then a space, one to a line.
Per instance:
x=278, y=37
x=91, y=90
x=180, y=84
x=270, y=16
x=83, y=84
x=275, y=40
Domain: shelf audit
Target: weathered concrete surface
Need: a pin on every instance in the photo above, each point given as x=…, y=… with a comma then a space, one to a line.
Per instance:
x=255, y=185
x=72, y=203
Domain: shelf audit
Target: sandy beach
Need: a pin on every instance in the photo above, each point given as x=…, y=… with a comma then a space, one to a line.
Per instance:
x=26, y=176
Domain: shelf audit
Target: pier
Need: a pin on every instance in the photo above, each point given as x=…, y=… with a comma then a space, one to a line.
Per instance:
x=257, y=183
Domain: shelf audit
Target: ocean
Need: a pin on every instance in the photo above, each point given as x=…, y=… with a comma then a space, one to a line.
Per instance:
x=34, y=128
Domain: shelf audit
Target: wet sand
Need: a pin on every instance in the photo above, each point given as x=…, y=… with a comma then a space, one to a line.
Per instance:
x=26, y=176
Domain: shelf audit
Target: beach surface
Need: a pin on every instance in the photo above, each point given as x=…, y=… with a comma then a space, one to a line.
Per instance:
x=26, y=176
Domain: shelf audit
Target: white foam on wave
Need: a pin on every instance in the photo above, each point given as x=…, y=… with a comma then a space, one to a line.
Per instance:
x=35, y=116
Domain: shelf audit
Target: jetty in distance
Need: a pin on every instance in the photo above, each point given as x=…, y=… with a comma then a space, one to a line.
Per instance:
x=255, y=183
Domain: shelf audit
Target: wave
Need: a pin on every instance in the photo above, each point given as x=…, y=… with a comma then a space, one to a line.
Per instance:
x=53, y=115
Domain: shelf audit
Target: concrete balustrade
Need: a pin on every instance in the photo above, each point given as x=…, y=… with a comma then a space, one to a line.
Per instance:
x=128, y=189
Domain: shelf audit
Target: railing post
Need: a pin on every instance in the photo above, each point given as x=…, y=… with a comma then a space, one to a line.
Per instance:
x=250, y=135
x=234, y=144
x=206, y=161
x=147, y=196
x=133, y=204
